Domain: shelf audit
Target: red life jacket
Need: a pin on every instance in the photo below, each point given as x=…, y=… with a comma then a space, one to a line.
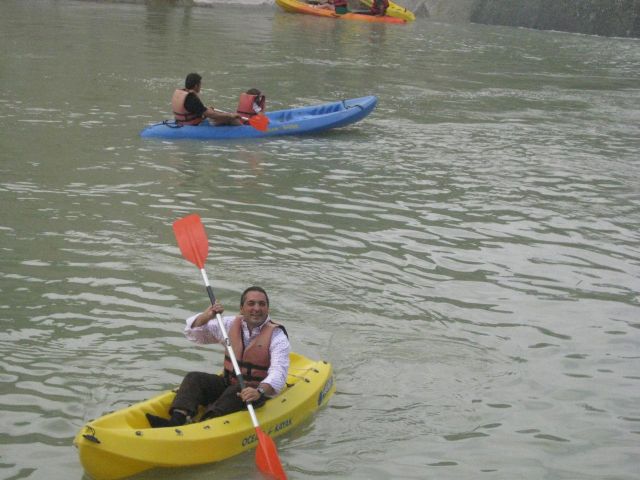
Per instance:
x=250, y=105
x=254, y=360
x=181, y=114
x=379, y=7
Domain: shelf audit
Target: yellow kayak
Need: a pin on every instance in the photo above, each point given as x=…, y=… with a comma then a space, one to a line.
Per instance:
x=394, y=10
x=121, y=444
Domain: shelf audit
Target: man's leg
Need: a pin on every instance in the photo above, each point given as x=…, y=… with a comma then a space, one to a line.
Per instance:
x=228, y=402
x=197, y=388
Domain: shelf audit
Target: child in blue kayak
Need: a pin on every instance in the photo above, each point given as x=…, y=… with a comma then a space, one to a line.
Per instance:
x=252, y=102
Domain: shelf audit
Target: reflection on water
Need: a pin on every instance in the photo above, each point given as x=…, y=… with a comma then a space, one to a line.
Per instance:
x=466, y=256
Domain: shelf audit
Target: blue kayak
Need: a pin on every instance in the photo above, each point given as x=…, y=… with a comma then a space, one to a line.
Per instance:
x=294, y=121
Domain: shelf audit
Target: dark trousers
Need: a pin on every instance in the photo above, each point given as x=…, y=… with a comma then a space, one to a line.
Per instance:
x=210, y=391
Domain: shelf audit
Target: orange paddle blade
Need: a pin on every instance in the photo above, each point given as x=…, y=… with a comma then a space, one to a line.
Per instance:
x=192, y=239
x=259, y=122
x=267, y=457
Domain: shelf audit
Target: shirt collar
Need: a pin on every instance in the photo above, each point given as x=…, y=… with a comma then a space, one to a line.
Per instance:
x=259, y=327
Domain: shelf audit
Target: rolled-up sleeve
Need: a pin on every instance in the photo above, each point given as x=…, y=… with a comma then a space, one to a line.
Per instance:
x=208, y=333
x=279, y=351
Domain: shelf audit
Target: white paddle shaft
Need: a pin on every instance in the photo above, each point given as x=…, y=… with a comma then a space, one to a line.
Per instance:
x=227, y=343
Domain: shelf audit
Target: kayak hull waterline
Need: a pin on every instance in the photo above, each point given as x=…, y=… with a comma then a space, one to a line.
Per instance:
x=295, y=6
x=294, y=121
x=121, y=444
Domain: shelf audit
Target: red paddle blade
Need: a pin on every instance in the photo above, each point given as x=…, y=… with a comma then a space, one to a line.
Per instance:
x=192, y=239
x=267, y=457
x=259, y=122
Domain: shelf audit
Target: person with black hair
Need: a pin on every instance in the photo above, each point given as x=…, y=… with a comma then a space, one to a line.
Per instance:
x=188, y=108
x=379, y=7
x=252, y=102
x=261, y=347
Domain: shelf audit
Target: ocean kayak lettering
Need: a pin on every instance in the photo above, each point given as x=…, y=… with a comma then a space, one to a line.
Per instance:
x=249, y=440
x=281, y=426
x=325, y=390
x=293, y=126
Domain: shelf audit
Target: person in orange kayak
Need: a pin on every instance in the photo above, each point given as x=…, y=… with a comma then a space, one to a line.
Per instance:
x=340, y=6
x=322, y=4
x=262, y=350
x=188, y=108
x=379, y=7
x=252, y=102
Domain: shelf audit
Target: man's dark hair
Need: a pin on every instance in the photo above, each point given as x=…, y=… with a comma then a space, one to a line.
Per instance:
x=253, y=289
x=192, y=80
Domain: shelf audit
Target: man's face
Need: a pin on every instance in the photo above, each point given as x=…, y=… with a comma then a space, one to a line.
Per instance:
x=255, y=309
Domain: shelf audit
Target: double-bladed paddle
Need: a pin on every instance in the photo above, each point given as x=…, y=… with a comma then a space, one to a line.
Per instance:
x=259, y=122
x=194, y=245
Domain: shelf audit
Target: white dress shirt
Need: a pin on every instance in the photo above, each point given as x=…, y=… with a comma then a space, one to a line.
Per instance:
x=278, y=350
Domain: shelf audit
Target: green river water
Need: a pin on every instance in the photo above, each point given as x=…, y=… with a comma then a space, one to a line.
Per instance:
x=467, y=257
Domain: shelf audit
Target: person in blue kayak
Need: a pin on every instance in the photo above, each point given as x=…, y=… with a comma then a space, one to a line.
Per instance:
x=188, y=108
x=252, y=102
x=262, y=350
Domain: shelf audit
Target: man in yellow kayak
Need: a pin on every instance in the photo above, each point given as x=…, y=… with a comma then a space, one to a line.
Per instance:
x=261, y=347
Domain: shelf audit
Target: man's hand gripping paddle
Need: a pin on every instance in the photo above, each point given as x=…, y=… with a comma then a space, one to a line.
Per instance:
x=194, y=246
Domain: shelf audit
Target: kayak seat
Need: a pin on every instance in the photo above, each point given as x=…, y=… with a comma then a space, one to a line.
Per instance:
x=325, y=109
x=282, y=116
x=288, y=116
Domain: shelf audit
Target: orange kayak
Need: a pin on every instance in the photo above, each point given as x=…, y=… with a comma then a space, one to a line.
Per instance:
x=295, y=6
